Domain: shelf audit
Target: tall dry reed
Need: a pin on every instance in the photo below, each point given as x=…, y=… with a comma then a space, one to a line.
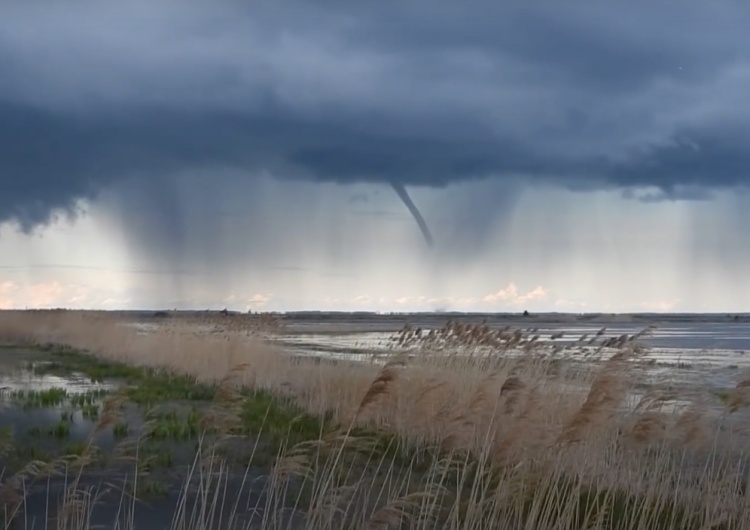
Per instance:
x=515, y=431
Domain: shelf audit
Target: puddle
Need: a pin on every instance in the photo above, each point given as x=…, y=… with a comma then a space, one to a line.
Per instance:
x=56, y=418
x=28, y=380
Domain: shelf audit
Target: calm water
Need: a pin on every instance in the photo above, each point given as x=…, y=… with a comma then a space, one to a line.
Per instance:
x=707, y=355
x=712, y=342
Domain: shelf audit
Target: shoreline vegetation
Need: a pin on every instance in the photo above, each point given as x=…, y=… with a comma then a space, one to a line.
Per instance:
x=460, y=427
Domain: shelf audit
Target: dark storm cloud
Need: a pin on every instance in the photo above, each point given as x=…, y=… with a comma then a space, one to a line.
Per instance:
x=582, y=94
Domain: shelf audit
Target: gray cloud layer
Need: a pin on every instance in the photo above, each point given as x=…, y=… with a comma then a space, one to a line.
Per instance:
x=581, y=94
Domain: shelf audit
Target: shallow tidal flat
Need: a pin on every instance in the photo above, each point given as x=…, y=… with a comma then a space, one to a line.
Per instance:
x=460, y=425
x=89, y=442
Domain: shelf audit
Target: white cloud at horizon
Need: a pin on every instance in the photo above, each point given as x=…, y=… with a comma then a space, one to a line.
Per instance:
x=561, y=252
x=54, y=295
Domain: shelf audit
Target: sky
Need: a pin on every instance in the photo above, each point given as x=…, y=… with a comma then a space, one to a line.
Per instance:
x=384, y=156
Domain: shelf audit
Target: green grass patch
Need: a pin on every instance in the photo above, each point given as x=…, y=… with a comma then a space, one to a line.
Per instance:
x=60, y=430
x=281, y=419
x=51, y=397
x=173, y=426
x=66, y=362
x=157, y=386
x=90, y=412
x=151, y=489
x=164, y=458
x=148, y=386
x=120, y=430
x=91, y=397
x=74, y=448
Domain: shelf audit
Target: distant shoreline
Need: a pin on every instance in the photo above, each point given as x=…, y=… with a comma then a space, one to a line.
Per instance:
x=322, y=317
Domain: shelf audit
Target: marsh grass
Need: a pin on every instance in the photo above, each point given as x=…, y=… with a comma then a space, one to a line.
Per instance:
x=461, y=428
x=51, y=397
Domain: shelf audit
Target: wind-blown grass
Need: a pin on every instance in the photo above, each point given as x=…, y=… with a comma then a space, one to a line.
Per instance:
x=461, y=428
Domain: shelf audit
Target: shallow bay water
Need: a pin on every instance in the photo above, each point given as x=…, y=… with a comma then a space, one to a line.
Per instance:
x=695, y=352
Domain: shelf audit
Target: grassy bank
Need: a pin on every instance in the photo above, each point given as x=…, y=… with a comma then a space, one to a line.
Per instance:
x=461, y=428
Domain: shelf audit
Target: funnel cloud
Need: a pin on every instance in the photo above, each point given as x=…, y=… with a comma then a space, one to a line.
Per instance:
x=406, y=199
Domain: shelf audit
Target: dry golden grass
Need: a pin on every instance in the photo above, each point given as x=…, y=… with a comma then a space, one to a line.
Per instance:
x=520, y=430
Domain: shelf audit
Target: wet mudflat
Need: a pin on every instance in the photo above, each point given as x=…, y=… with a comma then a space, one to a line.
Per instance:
x=502, y=425
x=87, y=443
x=692, y=354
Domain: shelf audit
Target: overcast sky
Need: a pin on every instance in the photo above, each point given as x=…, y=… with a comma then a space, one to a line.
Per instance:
x=574, y=156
